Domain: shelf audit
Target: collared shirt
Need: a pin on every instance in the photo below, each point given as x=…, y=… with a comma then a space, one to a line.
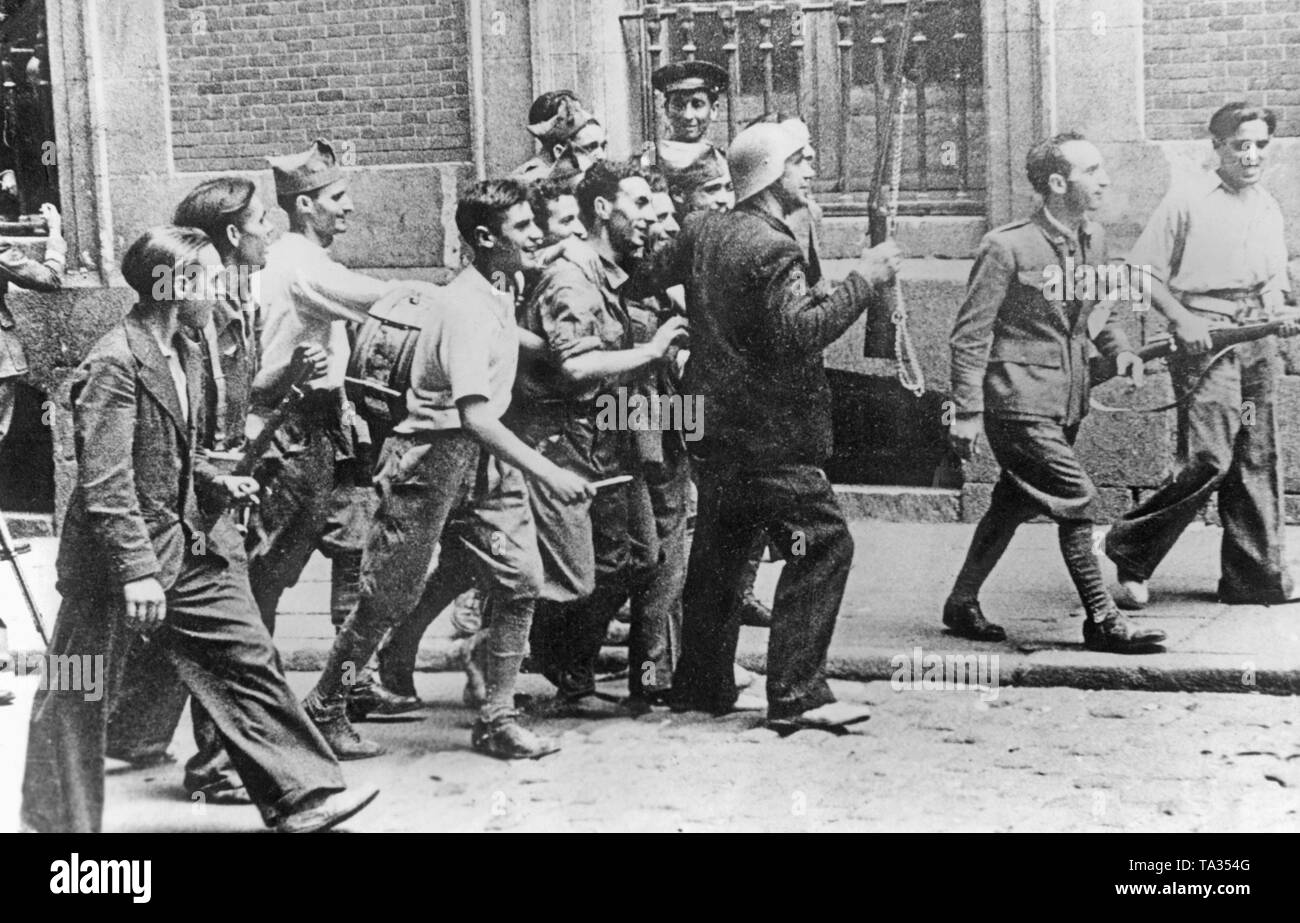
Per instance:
x=575, y=305
x=1075, y=239
x=467, y=347
x=177, y=371
x=1206, y=236
x=236, y=331
x=309, y=297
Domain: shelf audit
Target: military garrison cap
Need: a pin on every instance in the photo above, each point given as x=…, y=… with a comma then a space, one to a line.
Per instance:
x=689, y=76
x=307, y=171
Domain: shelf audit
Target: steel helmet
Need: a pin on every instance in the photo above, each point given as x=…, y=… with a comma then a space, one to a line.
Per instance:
x=757, y=157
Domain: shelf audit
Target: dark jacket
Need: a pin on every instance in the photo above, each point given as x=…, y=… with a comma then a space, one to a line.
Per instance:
x=760, y=320
x=16, y=268
x=1015, y=352
x=135, y=510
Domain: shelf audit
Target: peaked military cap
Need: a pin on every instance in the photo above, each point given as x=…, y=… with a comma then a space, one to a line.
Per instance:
x=689, y=76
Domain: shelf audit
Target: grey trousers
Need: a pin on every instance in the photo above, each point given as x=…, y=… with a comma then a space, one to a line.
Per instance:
x=218, y=645
x=1228, y=440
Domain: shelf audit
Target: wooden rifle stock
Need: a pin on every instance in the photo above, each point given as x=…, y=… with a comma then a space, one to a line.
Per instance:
x=257, y=446
x=1103, y=368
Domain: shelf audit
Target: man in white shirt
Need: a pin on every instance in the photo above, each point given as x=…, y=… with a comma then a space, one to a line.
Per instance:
x=309, y=298
x=451, y=473
x=1216, y=252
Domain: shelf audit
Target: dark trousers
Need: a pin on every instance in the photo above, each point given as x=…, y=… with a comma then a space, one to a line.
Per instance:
x=309, y=503
x=654, y=642
x=218, y=645
x=147, y=712
x=796, y=507
x=1041, y=475
x=1228, y=437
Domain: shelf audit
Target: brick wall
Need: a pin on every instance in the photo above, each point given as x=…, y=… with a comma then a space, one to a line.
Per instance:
x=1200, y=55
x=252, y=79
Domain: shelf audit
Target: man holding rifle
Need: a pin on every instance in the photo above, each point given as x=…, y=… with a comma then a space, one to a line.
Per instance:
x=1217, y=256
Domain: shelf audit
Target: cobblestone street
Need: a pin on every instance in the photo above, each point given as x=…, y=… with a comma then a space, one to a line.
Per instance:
x=1041, y=759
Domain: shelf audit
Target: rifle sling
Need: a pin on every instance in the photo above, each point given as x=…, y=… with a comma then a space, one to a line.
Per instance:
x=1177, y=402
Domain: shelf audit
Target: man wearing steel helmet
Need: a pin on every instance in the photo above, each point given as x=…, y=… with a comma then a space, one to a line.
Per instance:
x=759, y=324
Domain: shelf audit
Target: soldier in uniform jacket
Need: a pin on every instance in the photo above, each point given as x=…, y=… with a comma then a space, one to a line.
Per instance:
x=1020, y=369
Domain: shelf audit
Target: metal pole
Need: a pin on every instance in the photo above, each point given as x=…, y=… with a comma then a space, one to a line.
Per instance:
x=7, y=546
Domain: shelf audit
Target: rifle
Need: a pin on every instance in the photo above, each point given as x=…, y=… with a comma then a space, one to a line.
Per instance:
x=1102, y=368
x=1223, y=340
x=892, y=316
x=246, y=459
x=881, y=212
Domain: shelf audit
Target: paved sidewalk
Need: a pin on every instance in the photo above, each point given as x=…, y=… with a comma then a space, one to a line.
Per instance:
x=900, y=577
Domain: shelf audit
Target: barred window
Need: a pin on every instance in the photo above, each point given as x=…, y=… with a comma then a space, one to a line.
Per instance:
x=28, y=168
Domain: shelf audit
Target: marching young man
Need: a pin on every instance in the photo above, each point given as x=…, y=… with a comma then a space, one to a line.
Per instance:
x=319, y=494
x=452, y=475
x=140, y=559
x=1020, y=372
x=593, y=557
x=228, y=210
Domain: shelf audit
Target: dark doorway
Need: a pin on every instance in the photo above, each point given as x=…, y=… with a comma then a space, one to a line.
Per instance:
x=27, y=456
x=883, y=434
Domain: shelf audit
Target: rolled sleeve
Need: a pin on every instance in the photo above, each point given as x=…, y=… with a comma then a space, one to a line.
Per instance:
x=1159, y=247
x=332, y=291
x=570, y=311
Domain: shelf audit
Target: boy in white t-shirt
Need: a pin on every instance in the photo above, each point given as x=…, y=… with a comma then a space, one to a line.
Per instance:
x=452, y=473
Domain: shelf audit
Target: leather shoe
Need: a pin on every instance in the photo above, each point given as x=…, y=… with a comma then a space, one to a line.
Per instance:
x=507, y=739
x=323, y=812
x=1117, y=635
x=144, y=759
x=966, y=620
x=338, y=732
x=1241, y=599
x=646, y=702
x=375, y=698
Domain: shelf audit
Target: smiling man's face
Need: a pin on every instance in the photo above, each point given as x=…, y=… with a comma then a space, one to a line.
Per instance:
x=631, y=217
x=1242, y=154
x=518, y=240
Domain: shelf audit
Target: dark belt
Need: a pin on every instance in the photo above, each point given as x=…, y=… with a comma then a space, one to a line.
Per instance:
x=1234, y=304
x=550, y=410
